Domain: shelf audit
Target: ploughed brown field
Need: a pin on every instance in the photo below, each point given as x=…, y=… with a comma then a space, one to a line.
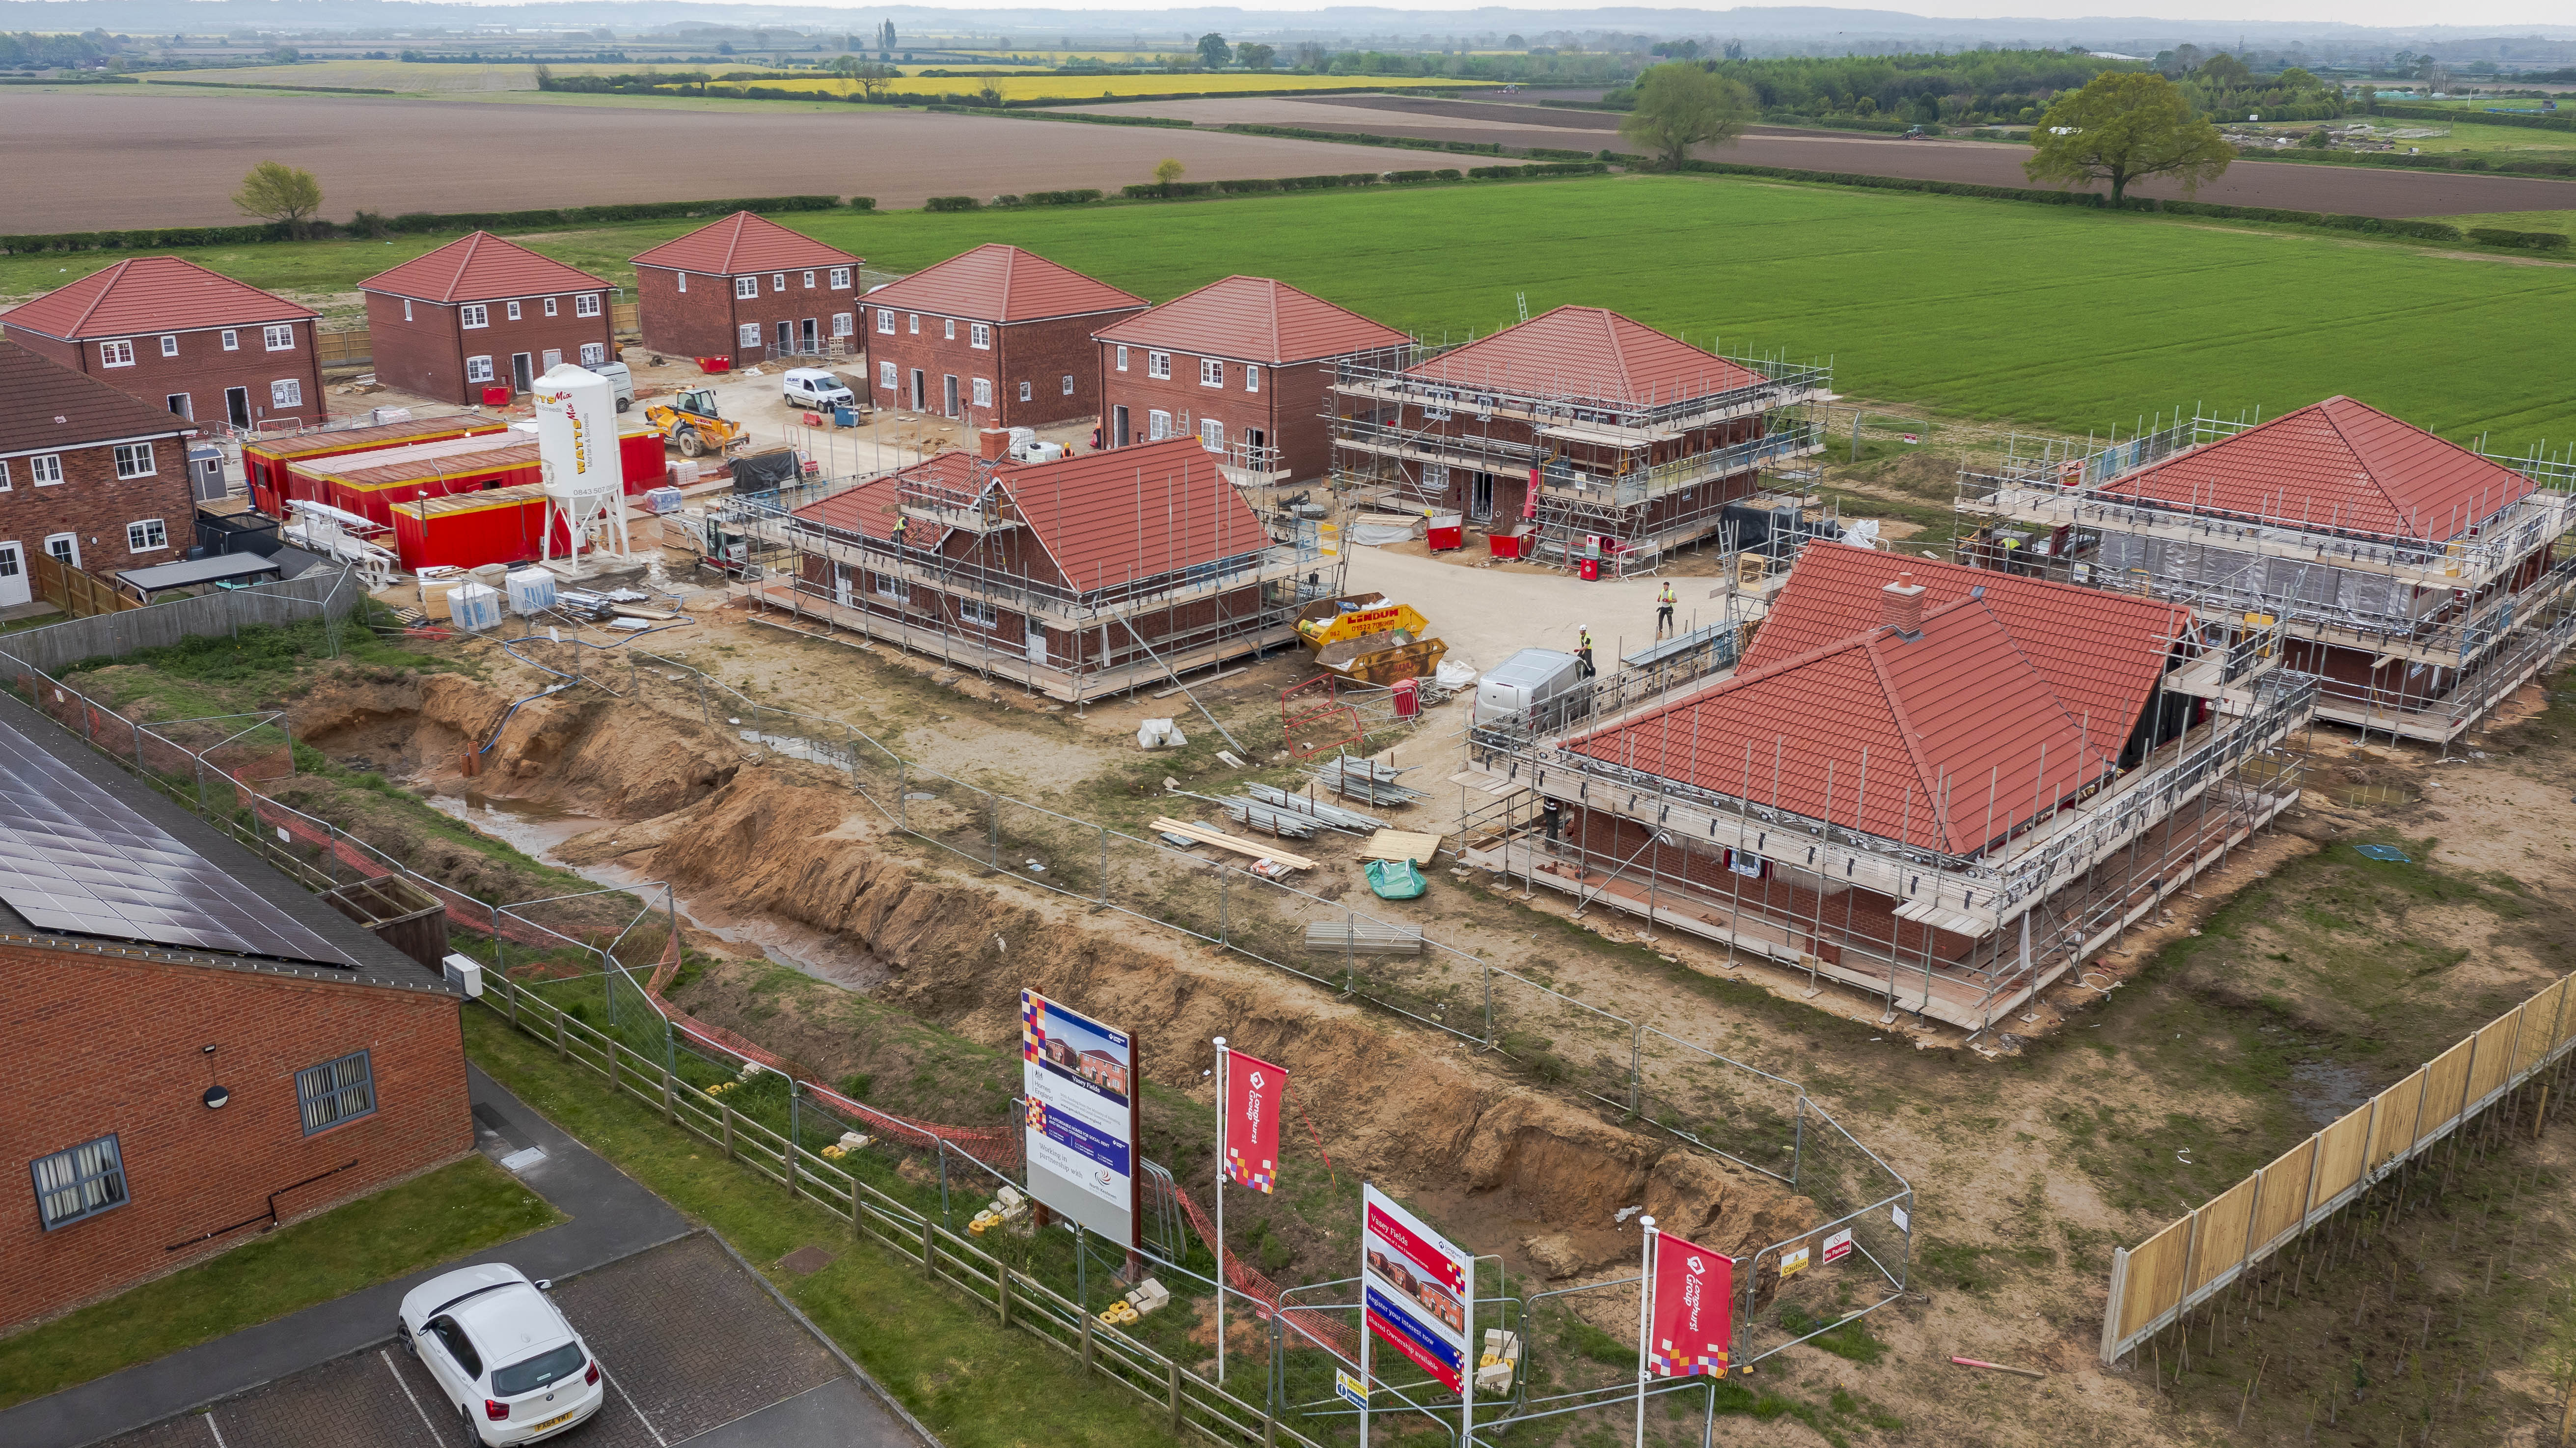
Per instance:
x=121, y=156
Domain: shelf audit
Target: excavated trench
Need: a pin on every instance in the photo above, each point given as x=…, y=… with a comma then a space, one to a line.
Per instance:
x=778, y=856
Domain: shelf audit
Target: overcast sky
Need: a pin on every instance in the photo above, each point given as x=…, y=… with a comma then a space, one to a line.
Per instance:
x=2502, y=14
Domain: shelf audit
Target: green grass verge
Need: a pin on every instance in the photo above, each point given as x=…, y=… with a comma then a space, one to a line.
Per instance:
x=458, y=1209
x=968, y=1379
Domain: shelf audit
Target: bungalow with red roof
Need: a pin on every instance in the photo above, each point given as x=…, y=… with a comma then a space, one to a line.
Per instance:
x=747, y=288
x=1076, y=578
x=994, y=337
x=1595, y=436
x=171, y=332
x=1242, y=365
x=1938, y=785
x=480, y=313
x=2417, y=578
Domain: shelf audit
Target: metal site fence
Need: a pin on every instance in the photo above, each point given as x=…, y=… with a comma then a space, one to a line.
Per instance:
x=327, y=594
x=1636, y=1074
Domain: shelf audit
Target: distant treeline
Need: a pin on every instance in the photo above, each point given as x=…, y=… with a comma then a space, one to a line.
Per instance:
x=373, y=224
x=27, y=50
x=1983, y=87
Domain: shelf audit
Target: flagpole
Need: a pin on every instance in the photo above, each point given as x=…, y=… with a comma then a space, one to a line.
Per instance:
x=1222, y=1076
x=1645, y=1319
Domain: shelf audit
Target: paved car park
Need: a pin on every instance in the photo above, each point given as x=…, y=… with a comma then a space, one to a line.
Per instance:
x=696, y=1351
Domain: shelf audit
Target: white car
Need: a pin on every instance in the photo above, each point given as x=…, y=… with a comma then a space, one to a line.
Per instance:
x=814, y=387
x=514, y=1369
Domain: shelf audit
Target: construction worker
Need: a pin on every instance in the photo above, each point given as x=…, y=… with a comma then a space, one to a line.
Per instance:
x=1664, y=609
x=901, y=522
x=1583, y=648
x=1551, y=817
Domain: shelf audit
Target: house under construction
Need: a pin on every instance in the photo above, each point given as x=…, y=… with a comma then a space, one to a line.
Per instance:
x=1937, y=785
x=2419, y=580
x=1076, y=579
x=1599, y=436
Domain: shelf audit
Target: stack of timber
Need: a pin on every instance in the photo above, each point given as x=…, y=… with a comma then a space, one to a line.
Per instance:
x=1365, y=779
x=1330, y=816
x=1360, y=935
x=1269, y=818
x=1209, y=835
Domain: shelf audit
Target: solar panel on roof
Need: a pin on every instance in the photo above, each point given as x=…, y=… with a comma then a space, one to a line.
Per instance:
x=75, y=858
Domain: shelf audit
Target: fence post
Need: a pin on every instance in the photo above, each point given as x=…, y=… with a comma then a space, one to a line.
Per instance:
x=510, y=990
x=1223, y=931
x=1489, y=1008
x=1104, y=864
x=563, y=1047
x=1798, y=1147
x=794, y=1120
x=854, y=1202
x=1087, y=1320
x=996, y=845
x=670, y=1098
x=902, y=793
x=1636, y=1060
x=1002, y=1290
x=727, y=1108
x=928, y=1268
x=946, y=1218
x=610, y=1051
x=1172, y=1376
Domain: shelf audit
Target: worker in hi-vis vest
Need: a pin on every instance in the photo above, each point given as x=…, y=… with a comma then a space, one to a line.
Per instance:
x=901, y=521
x=1664, y=609
x=1583, y=648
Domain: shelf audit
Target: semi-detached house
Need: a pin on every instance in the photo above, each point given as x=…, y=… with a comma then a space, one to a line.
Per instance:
x=748, y=289
x=995, y=337
x=482, y=312
x=174, y=334
x=89, y=476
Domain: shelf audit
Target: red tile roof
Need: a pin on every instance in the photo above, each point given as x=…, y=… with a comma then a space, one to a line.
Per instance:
x=480, y=268
x=151, y=294
x=869, y=508
x=741, y=244
x=1590, y=353
x=997, y=283
x=2100, y=651
x=2335, y=465
x=1254, y=319
x=51, y=406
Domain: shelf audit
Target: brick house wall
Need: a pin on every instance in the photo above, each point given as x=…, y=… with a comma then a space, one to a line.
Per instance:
x=94, y=505
x=1290, y=410
x=431, y=352
x=204, y=370
x=107, y=1045
x=707, y=319
x=1511, y=484
x=1039, y=354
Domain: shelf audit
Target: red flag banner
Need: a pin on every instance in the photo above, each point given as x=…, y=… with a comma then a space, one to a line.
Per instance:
x=1254, y=1090
x=1694, y=1309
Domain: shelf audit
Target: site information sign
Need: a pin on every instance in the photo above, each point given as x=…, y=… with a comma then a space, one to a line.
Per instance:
x=1417, y=1290
x=1079, y=1078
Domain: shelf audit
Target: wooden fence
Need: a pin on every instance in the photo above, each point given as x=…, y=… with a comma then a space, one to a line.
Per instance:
x=2154, y=1283
x=79, y=594
x=354, y=346
x=1188, y=1403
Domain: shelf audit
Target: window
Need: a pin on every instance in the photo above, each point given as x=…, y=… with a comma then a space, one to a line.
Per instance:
x=116, y=354
x=885, y=374
x=1068, y=384
x=840, y=278
x=133, y=460
x=748, y=334
x=232, y=339
x=1435, y=478
x=514, y=310
x=1158, y=426
x=282, y=339
x=1158, y=364
x=228, y=337
x=478, y=369
x=587, y=304
x=915, y=318
x=809, y=279
x=81, y=1182
x=1212, y=434
x=4, y=479
x=64, y=548
x=593, y=353
x=1251, y=378
x=549, y=360
x=46, y=469
x=335, y=1091
x=1122, y=357
x=979, y=335
x=476, y=315
x=977, y=612
x=550, y=306
x=286, y=392
x=983, y=392
x=179, y=405
x=843, y=324
x=951, y=324
x=778, y=281
x=1024, y=392
x=1211, y=372
x=887, y=585
x=684, y=280
x=885, y=320
x=169, y=344
x=746, y=287
x=145, y=534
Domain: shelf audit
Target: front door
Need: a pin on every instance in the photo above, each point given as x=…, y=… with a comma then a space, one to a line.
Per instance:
x=786, y=338
x=841, y=584
x=1036, y=640
x=13, y=575
x=179, y=404
x=1480, y=497
x=807, y=339
x=1118, y=426
x=949, y=391
x=521, y=376
x=919, y=383
x=237, y=406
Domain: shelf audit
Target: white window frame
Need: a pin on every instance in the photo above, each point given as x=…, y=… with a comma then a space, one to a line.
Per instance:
x=684, y=280
x=951, y=324
x=473, y=315
x=116, y=354
x=809, y=280
x=550, y=306
x=777, y=281
x=232, y=339
x=746, y=288
x=977, y=613
x=336, y=1092
x=840, y=278
x=278, y=338
x=980, y=335
x=983, y=392
x=1251, y=377
x=4, y=475
x=885, y=321
x=1122, y=356
x=146, y=535
x=1212, y=434
x=78, y=1182
x=844, y=325
x=1025, y=389
x=1158, y=364
x=512, y=309
x=286, y=392
x=916, y=322
x=169, y=344
x=885, y=376
x=594, y=354
x=587, y=304
x=1211, y=372
x=889, y=585
x=70, y=552
x=134, y=460
x=747, y=335
x=478, y=369
x=406, y=317
x=1158, y=424
x=1068, y=384
x=45, y=470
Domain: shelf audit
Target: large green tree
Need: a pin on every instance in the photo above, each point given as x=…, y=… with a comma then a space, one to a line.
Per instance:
x=1681, y=105
x=1214, y=53
x=2123, y=127
x=275, y=191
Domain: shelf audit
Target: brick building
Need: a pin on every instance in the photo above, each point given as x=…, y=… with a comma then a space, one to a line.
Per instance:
x=88, y=475
x=482, y=312
x=1246, y=366
x=749, y=289
x=997, y=337
x=204, y=1053
x=177, y=335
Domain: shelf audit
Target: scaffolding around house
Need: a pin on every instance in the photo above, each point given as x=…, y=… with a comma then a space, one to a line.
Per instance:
x=1145, y=629
x=2458, y=618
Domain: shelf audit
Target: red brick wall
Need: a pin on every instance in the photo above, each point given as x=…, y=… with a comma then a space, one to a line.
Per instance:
x=427, y=354
x=706, y=320
x=1041, y=354
x=203, y=369
x=104, y=1045
x=95, y=504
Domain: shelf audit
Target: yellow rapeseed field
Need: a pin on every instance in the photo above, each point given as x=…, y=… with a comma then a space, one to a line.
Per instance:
x=1086, y=87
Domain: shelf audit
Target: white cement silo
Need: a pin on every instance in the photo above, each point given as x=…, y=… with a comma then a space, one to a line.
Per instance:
x=577, y=451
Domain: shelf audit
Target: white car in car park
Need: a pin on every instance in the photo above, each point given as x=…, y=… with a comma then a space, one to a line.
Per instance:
x=514, y=1370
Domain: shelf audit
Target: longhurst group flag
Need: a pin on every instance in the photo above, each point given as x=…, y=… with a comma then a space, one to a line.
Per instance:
x=1254, y=1090
x=1694, y=1310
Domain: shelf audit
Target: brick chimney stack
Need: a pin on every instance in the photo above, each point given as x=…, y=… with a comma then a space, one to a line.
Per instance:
x=1901, y=607
x=993, y=443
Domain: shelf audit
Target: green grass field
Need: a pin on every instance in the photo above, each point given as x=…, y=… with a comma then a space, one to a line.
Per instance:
x=2046, y=315
x=2562, y=222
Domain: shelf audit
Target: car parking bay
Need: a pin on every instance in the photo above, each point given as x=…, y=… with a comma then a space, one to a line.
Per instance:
x=695, y=1350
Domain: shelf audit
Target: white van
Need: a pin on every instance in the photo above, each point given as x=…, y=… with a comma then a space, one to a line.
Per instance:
x=816, y=388
x=1535, y=688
